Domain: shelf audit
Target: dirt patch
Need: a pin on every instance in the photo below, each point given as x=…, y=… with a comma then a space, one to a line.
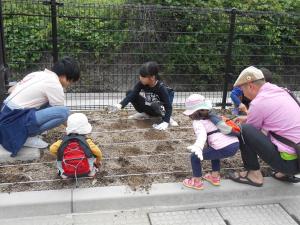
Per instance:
x=155, y=135
x=47, y=156
x=164, y=147
x=123, y=162
x=128, y=151
x=146, y=123
x=54, y=134
x=136, y=183
x=10, y=178
x=121, y=125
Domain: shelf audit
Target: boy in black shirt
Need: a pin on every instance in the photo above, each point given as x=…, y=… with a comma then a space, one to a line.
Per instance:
x=156, y=100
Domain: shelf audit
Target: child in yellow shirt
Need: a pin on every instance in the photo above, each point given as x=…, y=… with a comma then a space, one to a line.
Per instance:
x=77, y=155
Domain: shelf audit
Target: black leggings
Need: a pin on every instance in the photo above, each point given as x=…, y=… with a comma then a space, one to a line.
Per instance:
x=139, y=104
x=254, y=143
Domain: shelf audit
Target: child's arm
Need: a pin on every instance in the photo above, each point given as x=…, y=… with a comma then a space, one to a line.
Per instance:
x=129, y=96
x=136, y=90
x=221, y=125
x=235, y=96
x=201, y=134
x=95, y=150
x=54, y=147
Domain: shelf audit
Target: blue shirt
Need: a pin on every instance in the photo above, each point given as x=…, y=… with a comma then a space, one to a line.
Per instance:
x=236, y=95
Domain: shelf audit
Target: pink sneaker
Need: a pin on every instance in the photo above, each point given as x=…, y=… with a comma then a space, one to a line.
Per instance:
x=213, y=180
x=192, y=183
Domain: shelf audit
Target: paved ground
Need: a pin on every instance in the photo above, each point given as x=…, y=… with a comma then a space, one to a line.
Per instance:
x=164, y=204
x=25, y=154
x=281, y=213
x=98, y=100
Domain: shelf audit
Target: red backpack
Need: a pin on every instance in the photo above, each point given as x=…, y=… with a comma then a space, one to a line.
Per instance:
x=74, y=153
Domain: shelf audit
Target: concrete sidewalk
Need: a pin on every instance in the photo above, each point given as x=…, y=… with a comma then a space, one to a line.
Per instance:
x=98, y=100
x=171, y=203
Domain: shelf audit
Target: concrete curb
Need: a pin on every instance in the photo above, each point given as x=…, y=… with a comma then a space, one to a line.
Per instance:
x=160, y=196
x=25, y=154
x=25, y=204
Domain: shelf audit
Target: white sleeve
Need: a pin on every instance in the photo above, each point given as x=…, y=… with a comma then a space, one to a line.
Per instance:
x=201, y=134
x=55, y=94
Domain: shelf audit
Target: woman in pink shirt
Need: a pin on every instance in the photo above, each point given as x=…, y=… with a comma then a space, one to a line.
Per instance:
x=219, y=145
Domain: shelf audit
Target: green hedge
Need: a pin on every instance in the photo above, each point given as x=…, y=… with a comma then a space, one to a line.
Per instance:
x=269, y=39
x=28, y=30
x=261, y=39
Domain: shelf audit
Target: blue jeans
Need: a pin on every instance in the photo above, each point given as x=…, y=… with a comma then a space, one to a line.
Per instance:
x=50, y=117
x=210, y=153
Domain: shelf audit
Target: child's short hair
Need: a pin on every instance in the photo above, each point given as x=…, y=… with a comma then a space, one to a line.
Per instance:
x=149, y=69
x=67, y=66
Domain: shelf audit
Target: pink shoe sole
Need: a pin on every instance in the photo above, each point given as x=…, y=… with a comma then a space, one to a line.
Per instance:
x=213, y=180
x=188, y=183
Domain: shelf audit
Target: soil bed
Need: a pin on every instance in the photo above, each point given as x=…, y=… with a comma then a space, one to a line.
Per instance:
x=134, y=154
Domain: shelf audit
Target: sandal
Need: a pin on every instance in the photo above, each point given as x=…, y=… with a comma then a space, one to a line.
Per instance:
x=243, y=180
x=286, y=178
x=211, y=179
x=192, y=183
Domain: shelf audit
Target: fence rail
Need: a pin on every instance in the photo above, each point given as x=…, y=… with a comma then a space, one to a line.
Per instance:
x=198, y=50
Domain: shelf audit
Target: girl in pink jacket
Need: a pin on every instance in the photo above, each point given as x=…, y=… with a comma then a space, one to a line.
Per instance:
x=218, y=145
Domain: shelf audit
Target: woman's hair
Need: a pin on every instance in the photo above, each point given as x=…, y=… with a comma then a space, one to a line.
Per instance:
x=200, y=114
x=149, y=69
x=68, y=67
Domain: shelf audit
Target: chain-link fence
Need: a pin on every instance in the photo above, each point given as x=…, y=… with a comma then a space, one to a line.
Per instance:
x=198, y=50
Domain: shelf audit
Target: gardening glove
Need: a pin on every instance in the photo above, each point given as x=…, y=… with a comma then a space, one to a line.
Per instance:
x=114, y=108
x=161, y=126
x=197, y=150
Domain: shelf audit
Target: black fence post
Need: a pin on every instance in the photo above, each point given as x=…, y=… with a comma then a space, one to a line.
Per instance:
x=228, y=56
x=54, y=30
x=53, y=5
x=3, y=66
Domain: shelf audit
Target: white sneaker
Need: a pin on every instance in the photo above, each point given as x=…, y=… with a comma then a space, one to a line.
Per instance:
x=35, y=142
x=173, y=123
x=139, y=116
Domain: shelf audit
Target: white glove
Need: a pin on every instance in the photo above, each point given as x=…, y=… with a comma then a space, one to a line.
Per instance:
x=161, y=126
x=114, y=108
x=197, y=150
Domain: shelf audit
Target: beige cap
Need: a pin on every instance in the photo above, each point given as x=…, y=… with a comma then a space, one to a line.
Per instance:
x=249, y=74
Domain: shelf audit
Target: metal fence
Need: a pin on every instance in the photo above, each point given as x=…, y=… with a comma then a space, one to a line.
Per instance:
x=198, y=50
